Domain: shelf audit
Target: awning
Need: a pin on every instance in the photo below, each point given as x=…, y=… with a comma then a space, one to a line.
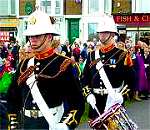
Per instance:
x=14, y=29
x=9, y=22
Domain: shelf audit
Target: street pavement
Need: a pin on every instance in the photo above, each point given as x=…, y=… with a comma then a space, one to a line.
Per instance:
x=139, y=112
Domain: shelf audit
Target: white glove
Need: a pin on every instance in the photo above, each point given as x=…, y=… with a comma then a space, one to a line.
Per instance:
x=91, y=100
x=61, y=126
x=119, y=98
x=113, y=99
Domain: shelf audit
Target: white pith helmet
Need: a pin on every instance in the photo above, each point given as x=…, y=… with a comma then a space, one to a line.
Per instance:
x=39, y=23
x=107, y=24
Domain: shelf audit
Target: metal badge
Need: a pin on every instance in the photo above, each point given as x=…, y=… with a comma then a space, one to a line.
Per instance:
x=112, y=61
x=32, y=20
x=34, y=113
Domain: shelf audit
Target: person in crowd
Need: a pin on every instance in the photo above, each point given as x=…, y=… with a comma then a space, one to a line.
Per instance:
x=43, y=83
x=90, y=46
x=84, y=51
x=141, y=77
x=106, y=67
x=66, y=49
x=147, y=66
x=76, y=51
x=4, y=50
x=15, y=53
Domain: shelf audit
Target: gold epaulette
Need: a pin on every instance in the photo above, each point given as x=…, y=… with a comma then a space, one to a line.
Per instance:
x=65, y=64
x=74, y=63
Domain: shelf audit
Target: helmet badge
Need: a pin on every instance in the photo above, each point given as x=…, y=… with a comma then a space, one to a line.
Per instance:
x=32, y=20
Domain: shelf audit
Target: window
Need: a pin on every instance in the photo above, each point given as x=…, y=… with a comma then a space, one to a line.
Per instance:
x=141, y=6
x=93, y=6
x=52, y=7
x=121, y=6
x=7, y=7
x=3, y=7
x=92, y=30
x=57, y=8
x=46, y=6
x=13, y=7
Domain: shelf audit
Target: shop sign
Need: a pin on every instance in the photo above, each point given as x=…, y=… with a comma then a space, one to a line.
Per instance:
x=4, y=36
x=139, y=19
x=9, y=22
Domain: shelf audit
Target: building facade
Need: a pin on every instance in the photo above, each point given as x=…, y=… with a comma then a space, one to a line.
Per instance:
x=78, y=18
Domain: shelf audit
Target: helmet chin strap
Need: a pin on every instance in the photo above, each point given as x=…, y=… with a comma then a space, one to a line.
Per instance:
x=106, y=41
x=43, y=41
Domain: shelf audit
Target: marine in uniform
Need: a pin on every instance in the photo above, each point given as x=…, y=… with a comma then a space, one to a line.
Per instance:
x=51, y=75
x=116, y=63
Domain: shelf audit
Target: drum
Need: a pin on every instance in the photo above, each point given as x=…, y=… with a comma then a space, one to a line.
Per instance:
x=116, y=118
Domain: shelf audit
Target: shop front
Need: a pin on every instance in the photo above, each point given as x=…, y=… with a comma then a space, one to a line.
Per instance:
x=136, y=26
x=8, y=28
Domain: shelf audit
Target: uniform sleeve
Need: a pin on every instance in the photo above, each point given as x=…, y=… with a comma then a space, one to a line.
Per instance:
x=14, y=97
x=74, y=101
x=86, y=77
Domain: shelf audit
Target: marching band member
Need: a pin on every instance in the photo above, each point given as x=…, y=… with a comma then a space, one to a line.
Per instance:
x=43, y=83
x=117, y=66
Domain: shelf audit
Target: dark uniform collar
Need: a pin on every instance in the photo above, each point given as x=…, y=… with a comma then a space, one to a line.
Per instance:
x=42, y=55
x=107, y=48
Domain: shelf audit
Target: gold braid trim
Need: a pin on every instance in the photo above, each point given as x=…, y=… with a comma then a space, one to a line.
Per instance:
x=76, y=65
x=25, y=74
x=11, y=118
x=86, y=91
x=71, y=118
x=123, y=54
x=21, y=66
x=65, y=64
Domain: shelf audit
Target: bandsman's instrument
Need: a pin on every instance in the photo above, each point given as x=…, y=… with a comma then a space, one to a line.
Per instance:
x=116, y=118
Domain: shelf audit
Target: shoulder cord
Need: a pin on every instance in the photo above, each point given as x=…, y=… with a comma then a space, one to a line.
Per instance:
x=63, y=67
x=40, y=74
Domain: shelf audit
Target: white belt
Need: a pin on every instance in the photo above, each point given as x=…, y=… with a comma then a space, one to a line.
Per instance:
x=100, y=91
x=37, y=113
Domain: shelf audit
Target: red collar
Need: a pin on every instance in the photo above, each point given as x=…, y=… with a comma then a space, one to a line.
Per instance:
x=42, y=55
x=107, y=48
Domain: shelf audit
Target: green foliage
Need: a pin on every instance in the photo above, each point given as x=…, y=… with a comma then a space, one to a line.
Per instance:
x=84, y=117
x=5, y=82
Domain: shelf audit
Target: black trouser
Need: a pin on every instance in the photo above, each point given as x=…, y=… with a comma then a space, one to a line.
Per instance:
x=3, y=113
x=34, y=123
